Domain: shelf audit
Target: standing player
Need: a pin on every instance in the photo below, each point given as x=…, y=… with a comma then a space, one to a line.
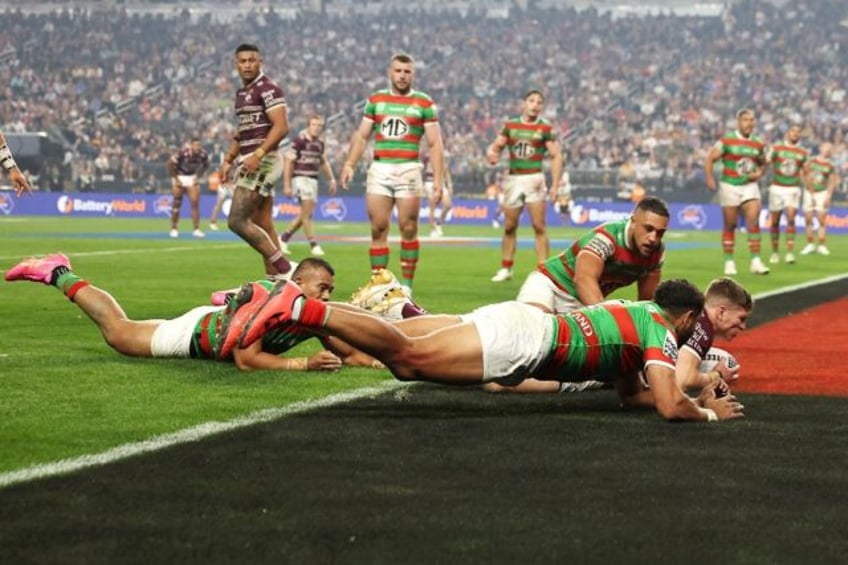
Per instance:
x=444, y=203
x=17, y=179
x=260, y=107
x=399, y=116
x=300, y=179
x=788, y=159
x=822, y=180
x=529, y=137
x=742, y=155
x=186, y=167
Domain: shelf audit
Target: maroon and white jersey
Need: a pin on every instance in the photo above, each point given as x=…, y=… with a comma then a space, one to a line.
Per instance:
x=307, y=155
x=187, y=162
x=702, y=338
x=252, y=103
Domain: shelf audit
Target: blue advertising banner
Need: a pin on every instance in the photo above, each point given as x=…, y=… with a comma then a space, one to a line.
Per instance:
x=352, y=209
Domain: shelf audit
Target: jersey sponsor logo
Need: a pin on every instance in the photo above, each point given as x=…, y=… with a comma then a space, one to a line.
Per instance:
x=394, y=128
x=670, y=346
x=584, y=323
x=250, y=118
x=7, y=204
x=414, y=111
x=693, y=215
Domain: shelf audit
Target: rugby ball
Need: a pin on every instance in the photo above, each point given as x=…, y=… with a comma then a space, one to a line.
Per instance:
x=714, y=356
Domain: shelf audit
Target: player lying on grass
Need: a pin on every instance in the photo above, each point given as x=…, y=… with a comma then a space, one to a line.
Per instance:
x=200, y=332
x=727, y=307
x=511, y=341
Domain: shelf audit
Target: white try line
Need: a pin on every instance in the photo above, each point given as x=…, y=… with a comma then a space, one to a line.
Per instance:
x=800, y=286
x=188, y=435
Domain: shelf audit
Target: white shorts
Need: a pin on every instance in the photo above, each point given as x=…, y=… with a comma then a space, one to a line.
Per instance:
x=173, y=337
x=524, y=189
x=732, y=196
x=265, y=178
x=814, y=201
x=516, y=339
x=305, y=188
x=783, y=197
x=395, y=180
x=539, y=289
x=186, y=181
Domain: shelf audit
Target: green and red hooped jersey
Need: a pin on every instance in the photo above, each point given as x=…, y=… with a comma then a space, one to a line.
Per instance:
x=399, y=122
x=613, y=338
x=820, y=171
x=622, y=266
x=740, y=157
x=527, y=143
x=787, y=162
x=279, y=340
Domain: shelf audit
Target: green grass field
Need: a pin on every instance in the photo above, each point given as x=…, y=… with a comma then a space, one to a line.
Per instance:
x=66, y=394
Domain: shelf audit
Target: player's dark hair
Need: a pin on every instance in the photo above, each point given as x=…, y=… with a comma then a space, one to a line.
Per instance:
x=247, y=47
x=678, y=296
x=654, y=205
x=532, y=92
x=731, y=291
x=744, y=111
x=314, y=263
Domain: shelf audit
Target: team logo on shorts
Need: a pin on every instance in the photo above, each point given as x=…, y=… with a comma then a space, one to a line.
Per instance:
x=7, y=204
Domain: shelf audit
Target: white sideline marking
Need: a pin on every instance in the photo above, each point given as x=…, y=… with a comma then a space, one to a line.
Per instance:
x=204, y=247
x=800, y=286
x=188, y=435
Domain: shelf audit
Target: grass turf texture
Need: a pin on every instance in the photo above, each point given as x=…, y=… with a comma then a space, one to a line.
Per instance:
x=448, y=475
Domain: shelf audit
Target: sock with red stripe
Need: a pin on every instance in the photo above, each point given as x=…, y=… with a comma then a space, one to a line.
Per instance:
x=409, y=251
x=379, y=257
x=67, y=281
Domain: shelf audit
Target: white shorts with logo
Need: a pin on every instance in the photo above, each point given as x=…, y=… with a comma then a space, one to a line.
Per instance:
x=815, y=201
x=305, y=188
x=186, y=181
x=395, y=180
x=173, y=337
x=539, y=289
x=732, y=196
x=783, y=197
x=516, y=339
x=264, y=178
x=524, y=189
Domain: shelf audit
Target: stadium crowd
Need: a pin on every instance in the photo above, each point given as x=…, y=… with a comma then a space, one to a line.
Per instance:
x=122, y=89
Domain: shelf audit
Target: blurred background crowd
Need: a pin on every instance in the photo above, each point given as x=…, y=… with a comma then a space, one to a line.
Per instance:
x=118, y=87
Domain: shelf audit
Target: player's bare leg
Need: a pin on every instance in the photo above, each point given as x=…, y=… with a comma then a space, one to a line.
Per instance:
x=409, y=210
x=537, y=211
x=379, y=215
x=247, y=210
x=508, y=243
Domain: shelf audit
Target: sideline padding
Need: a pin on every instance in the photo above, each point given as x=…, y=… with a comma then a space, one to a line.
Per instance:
x=801, y=353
